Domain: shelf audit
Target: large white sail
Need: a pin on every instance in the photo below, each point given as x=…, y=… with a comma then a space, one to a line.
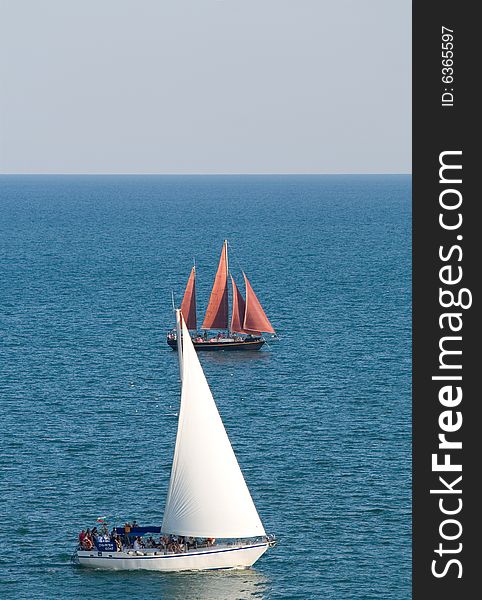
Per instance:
x=207, y=495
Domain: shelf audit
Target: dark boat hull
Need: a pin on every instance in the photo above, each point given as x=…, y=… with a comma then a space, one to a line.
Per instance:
x=219, y=346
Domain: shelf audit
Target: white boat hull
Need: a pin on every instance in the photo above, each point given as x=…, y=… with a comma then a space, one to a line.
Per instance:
x=217, y=557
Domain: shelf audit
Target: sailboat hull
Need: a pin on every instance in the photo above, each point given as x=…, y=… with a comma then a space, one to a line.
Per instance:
x=219, y=557
x=225, y=345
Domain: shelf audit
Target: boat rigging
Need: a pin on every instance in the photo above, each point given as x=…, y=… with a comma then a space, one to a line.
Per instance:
x=243, y=331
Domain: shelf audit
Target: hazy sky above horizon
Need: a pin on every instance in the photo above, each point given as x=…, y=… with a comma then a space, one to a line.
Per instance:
x=205, y=86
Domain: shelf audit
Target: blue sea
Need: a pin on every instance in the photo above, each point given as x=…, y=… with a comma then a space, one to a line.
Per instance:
x=320, y=420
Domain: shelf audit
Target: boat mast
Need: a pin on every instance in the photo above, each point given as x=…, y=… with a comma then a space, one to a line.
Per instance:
x=178, y=339
x=227, y=285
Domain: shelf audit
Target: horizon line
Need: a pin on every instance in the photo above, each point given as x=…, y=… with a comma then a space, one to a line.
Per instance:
x=197, y=174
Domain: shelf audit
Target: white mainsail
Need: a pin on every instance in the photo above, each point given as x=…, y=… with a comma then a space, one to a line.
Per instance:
x=207, y=495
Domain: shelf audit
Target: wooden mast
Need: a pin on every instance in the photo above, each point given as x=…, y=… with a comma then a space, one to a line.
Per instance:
x=227, y=286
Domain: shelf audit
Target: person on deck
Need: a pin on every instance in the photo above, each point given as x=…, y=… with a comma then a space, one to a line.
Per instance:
x=87, y=543
x=127, y=528
x=81, y=536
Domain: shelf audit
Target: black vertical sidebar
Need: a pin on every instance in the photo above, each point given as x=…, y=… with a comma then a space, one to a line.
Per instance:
x=446, y=118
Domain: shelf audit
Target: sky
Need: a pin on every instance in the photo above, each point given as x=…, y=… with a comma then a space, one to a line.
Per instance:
x=205, y=86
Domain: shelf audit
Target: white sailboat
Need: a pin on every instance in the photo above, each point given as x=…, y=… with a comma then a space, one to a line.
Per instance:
x=207, y=497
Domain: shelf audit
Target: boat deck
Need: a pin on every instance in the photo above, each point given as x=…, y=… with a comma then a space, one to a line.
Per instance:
x=218, y=556
x=222, y=344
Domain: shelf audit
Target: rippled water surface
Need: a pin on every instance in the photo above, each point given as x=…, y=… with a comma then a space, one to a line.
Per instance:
x=89, y=389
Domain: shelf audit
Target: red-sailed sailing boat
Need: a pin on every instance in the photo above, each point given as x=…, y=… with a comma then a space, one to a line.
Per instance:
x=248, y=320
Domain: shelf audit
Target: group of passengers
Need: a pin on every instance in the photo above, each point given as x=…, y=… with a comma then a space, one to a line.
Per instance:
x=198, y=338
x=89, y=538
x=203, y=337
x=172, y=543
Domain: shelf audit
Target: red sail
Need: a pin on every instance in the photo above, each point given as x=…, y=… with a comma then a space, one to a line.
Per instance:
x=237, y=316
x=255, y=320
x=217, y=310
x=188, y=306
